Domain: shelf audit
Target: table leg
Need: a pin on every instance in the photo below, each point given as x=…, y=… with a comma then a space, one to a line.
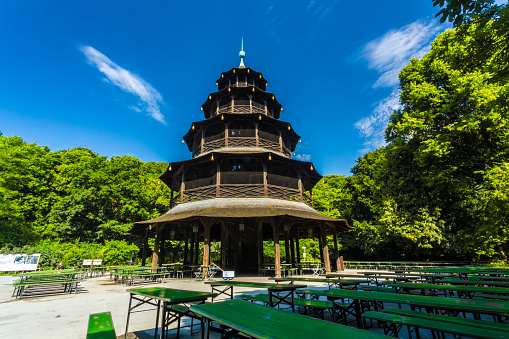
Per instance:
x=128, y=314
x=357, y=305
x=157, y=319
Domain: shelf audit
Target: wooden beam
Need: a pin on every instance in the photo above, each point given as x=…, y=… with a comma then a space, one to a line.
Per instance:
x=206, y=245
x=259, y=244
x=226, y=131
x=336, y=251
x=182, y=186
x=196, y=246
x=186, y=242
x=155, y=253
x=287, y=246
x=323, y=235
x=145, y=248
x=292, y=246
x=257, y=138
x=223, y=245
x=320, y=243
x=297, y=243
x=218, y=181
x=265, y=191
x=277, y=255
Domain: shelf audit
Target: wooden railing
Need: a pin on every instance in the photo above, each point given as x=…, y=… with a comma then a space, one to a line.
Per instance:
x=243, y=142
x=240, y=109
x=243, y=191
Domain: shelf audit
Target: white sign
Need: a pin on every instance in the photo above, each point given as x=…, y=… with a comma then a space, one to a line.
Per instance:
x=19, y=262
x=87, y=262
x=228, y=274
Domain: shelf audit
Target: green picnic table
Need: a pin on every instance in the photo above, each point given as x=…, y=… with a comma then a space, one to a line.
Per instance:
x=365, y=300
x=475, y=281
x=100, y=326
x=460, y=290
x=330, y=282
x=176, y=304
x=278, y=293
x=256, y=321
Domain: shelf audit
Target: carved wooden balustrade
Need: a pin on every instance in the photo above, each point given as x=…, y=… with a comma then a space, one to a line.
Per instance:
x=241, y=191
x=240, y=109
x=243, y=142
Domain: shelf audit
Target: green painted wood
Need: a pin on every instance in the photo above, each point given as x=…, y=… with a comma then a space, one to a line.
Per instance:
x=100, y=326
x=467, y=305
x=438, y=325
x=298, y=302
x=254, y=285
x=474, y=281
x=479, y=289
x=449, y=319
x=171, y=296
x=264, y=322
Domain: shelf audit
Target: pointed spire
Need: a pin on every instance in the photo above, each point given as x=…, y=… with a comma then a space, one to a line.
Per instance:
x=242, y=54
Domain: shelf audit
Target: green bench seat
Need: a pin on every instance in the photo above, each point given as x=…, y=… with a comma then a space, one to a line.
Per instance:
x=315, y=306
x=20, y=286
x=393, y=323
x=100, y=326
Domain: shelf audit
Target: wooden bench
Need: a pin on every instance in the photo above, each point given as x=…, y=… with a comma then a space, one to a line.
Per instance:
x=343, y=284
x=20, y=286
x=315, y=306
x=100, y=326
x=392, y=323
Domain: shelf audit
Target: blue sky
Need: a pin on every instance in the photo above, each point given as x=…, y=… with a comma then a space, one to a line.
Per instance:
x=130, y=77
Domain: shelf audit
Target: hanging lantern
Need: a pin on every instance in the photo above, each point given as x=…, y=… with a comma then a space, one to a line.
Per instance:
x=293, y=154
x=222, y=117
x=270, y=158
x=212, y=157
x=260, y=76
x=216, y=83
x=195, y=229
x=300, y=141
x=273, y=97
x=234, y=70
x=183, y=141
x=289, y=128
x=229, y=89
x=266, y=84
x=310, y=232
x=287, y=228
x=192, y=127
x=169, y=168
x=281, y=108
x=222, y=75
x=189, y=154
x=210, y=97
x=253, y=89
x=312, y=167
x=201, y=108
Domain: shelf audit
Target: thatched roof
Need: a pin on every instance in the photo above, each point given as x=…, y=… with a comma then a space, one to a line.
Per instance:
x=225, y=208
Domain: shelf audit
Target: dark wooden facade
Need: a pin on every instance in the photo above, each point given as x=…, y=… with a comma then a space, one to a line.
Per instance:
x=242, y=186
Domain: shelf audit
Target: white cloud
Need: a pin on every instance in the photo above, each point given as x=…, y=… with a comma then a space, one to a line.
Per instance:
x=389, y=53
x=372, y=127
x=303, y=157
x=136, y=109
x=127, y=81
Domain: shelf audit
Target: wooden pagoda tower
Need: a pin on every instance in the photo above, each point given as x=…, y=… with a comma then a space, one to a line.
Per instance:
x=241, y=186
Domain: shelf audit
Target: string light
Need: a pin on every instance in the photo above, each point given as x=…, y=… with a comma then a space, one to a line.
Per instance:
x=270, y=158
x=222, y=117
x=212, y=157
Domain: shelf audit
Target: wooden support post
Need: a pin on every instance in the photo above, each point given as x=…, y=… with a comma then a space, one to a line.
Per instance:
x=163, y=249
x=280, y=142
x=259, y=244
x=292, y=247
x=297, y=244
x=145, y=248
x=336, y=251
x=218, y=181
x=182, y=185
x=277, y=255
x=287, y=244
x=155, y=253
x=257, y=138
x=320, y=244
x=265, y=191
x=202, y=142
x=226, y=131
x=191, y=248
x=301, y=197
x=326, y=257
x=196, y=247
x=223, y=245
x=186, y=242
x=206, y=246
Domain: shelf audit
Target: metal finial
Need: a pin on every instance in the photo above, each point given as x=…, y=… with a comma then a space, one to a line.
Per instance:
x=242, y=54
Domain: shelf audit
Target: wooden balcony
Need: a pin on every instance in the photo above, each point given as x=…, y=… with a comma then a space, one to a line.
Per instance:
x=241, y=191
x=243, y=142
